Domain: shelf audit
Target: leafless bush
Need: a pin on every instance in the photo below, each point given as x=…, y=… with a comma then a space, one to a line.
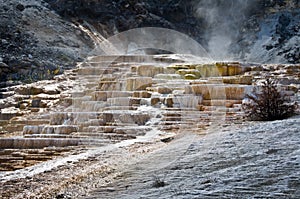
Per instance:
x=267, y=102
x=158, y=182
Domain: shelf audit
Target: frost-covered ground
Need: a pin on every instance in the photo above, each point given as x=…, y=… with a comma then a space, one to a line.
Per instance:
x=256, y=160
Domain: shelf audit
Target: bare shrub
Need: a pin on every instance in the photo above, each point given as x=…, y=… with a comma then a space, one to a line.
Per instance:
x=158, y=182
x=267, y=102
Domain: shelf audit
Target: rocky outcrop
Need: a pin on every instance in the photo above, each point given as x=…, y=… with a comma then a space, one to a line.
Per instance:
x=36, y=43
x=110, y=17
x=275, y=39
x=259, y=31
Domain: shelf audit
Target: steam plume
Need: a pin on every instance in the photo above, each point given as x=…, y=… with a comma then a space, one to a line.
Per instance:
x=223, y=19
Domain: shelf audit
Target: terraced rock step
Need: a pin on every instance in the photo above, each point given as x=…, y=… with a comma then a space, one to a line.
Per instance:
x=35, y=143
x=14, y=159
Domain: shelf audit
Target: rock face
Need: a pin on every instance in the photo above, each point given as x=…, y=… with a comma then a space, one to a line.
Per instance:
x=40, y=39
x=276, y=39
x=36, y=43
x=260, y=30
x=121, y=15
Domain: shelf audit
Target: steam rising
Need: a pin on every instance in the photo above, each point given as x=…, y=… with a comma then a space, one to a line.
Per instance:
x=223, y=19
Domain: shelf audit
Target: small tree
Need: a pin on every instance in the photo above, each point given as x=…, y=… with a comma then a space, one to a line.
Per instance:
x=267, y=102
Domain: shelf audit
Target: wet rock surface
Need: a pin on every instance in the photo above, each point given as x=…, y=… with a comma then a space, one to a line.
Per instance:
x=88, y=106
x=181, y=131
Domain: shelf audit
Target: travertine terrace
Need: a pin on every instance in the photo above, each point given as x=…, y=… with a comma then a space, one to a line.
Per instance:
x=112, y=98
x=109, y=99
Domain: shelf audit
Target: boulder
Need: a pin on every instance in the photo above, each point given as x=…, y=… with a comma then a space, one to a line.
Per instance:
x=29, y=90
x=107, y=117
x=36, y=103
x=164, y=90
x=169, y=102
x=155, y=101
x=51, y=89
x=23, y=105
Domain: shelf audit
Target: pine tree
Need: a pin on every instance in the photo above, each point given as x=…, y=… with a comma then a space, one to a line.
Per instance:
x=268, y=103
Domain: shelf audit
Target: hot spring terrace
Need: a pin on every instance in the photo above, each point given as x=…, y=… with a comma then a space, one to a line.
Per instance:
x=109, y=99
